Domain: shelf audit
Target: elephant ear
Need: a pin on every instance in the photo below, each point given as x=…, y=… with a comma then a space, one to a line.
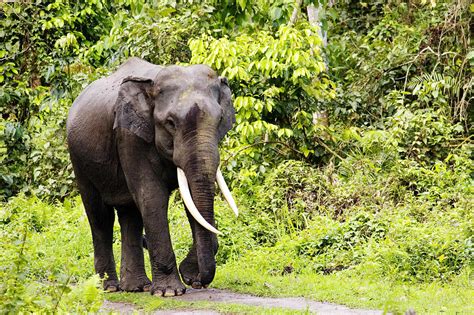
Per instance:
x=133, y=109
x=225, y=100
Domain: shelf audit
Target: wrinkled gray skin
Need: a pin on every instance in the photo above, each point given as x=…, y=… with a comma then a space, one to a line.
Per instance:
x=127, y=134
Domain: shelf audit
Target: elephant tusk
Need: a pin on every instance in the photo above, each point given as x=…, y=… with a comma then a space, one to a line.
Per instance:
x=226, y=192
x=188, y=201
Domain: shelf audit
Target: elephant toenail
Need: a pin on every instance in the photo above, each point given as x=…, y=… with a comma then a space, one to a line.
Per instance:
x=111, y=288
x=196, y=285
x=169, y=292
x=146, y=288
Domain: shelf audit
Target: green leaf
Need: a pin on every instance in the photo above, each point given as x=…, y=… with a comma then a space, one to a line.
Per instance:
x=275, y=13
x=470, y=55
x=242, y=4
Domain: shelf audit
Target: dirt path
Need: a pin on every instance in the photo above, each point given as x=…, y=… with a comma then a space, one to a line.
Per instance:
x=223, y=296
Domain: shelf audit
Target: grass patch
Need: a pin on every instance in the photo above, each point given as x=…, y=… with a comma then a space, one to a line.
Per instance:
x=352, y=289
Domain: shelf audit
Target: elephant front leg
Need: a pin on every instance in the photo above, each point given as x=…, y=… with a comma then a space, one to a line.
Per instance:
x=165, y=277
x=189, y=267
x=150, y=193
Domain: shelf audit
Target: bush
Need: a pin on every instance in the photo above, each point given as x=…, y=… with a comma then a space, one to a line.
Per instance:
x=368, y=219
x=46, y=259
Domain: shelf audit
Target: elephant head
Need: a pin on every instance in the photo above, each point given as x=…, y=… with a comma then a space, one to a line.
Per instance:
x=184, y=112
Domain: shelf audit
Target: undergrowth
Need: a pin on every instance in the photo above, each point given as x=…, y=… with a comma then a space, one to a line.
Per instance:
x=318, y=220
x=47, y=261
x=300, y=221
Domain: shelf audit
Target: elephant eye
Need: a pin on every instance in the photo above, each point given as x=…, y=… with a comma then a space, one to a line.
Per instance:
x=224, y=81
x=170, y=125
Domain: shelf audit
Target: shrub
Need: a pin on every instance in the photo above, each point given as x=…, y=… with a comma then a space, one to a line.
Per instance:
x=46, y=259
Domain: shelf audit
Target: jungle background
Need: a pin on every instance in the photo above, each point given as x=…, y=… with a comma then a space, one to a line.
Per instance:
x=351, y=159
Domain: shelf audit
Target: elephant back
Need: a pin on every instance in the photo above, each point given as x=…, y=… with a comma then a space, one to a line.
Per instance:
x=91, y=117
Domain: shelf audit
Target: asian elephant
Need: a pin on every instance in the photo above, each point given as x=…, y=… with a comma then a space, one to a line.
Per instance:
x=133, y=138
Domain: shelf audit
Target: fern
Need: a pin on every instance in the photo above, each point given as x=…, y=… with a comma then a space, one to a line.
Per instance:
x=451, y=86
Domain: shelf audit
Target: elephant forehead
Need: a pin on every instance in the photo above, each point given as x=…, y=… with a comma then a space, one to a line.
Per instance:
x=186, y=92
x=189, y=73
x=202, y=70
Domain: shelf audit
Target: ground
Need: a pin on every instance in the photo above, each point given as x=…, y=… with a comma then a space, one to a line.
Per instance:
x=216, y=301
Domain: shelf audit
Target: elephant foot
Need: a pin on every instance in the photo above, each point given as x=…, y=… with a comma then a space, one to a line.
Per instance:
x=169, y=285
x=135, y=284
x=111, y=285
x=189, y=271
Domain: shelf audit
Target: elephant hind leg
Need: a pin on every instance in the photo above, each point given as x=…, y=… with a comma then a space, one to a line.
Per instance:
x=101, y=220
x=132, y=270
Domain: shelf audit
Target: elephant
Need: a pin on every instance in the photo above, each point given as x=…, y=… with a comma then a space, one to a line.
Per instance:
x=133, y=138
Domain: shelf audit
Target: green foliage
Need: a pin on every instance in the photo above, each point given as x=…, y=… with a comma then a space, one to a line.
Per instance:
x=384, y=47
x=41, y=40
x=34, y=154
x=394, y=67
x=277, y=80
x=341, y=226
x=155, y=31
x=39, y=272
x=290, y=205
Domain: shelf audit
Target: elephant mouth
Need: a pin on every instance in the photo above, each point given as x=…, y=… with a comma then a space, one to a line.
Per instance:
x=188, y=201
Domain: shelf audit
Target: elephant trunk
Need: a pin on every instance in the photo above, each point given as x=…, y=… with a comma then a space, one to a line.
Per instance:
x=200, y=163
x=206, y=241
